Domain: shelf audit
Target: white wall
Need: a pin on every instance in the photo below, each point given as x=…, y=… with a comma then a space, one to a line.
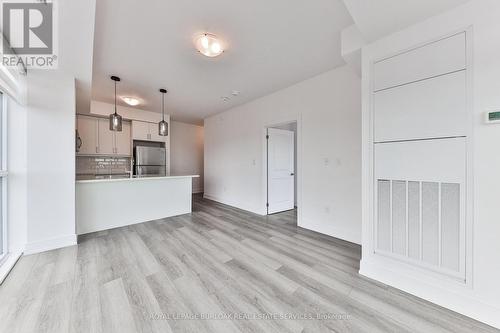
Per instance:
x=328, y=111
x=50, y=139
x=51, y=161
x=76, y=46
x=186, y=155
x=482, y=299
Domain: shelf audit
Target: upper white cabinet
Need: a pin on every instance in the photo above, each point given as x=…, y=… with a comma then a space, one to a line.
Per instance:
x=122, y=140
x=87, y=130
x=146, y=131
x=140, y=130
x=437, y=58
x=106, y=138
x=97, y=139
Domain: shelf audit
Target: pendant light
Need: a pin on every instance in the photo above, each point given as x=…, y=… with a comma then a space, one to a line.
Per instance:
x=115, y=120
x=163, y=125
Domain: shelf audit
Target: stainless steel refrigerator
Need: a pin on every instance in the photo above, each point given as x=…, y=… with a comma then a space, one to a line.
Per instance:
x=149, y=161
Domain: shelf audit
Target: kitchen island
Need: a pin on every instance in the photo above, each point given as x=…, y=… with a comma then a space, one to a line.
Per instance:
x=103, y=204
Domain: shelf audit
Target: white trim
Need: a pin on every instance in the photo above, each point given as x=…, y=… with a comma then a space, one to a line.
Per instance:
x=467, y=227
x=4, y=223
x=339, y=233
x=8, y=263
x=224, y=202
x=50, y=244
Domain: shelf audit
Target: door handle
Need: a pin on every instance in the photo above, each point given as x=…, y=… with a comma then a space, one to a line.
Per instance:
x=79, y=143
x=292, y=174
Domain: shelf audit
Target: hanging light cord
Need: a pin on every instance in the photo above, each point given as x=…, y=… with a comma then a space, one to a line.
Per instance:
x=115, y=97
x=163, y=106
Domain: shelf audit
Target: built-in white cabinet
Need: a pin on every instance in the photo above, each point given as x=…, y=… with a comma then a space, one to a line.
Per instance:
x=146, y=131
x=106, y=138
x=122, y=140
x=97, y=139
x=420, y=139
x=87, y=131
x=140, y=130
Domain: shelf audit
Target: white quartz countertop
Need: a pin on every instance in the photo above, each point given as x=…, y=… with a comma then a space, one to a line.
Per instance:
x=134, y=179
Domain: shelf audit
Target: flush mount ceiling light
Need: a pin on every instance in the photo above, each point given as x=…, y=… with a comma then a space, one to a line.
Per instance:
x=132, y=101
x=209, y=45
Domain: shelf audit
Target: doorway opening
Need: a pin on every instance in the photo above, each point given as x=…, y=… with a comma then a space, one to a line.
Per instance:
x=281, y=172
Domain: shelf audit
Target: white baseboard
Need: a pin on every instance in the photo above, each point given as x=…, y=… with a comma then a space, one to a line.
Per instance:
x=342, y=234
x=8, y=263
x=225, y=202
x=463, y=302
x=50, y=244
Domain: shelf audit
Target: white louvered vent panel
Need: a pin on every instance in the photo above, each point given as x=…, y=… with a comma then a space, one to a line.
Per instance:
x=399, y=217
x=450, y=226
x=420, y=222
x=430, y=223
x=414, y=220
x=384, y=215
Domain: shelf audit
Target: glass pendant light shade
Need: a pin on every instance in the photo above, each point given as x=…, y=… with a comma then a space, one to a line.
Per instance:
x=163, y=125
x=163, y=128
x=115, y=120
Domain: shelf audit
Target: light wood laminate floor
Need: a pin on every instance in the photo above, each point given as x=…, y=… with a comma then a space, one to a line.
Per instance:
x=245, y=273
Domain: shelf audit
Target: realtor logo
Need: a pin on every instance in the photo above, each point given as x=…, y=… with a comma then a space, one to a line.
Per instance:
x=28, y=28
x=29, y=34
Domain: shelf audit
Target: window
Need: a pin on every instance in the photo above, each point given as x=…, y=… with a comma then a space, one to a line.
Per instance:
x=3, y=179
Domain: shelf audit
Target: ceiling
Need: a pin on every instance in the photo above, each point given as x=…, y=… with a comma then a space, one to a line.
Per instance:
x=377, y=18
x=271, y=45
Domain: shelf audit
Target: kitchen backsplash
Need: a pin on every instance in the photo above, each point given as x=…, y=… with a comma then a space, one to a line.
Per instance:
x=90, y=165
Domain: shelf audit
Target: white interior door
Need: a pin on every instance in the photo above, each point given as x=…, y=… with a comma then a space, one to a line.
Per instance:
x=280, y=170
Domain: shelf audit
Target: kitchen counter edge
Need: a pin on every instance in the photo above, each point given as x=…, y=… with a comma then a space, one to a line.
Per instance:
x=133, y=179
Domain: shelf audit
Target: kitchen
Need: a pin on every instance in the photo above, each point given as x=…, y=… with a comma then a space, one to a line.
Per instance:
x=123, y=169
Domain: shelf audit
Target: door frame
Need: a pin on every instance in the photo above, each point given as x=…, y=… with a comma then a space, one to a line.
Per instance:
x=298, y=157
